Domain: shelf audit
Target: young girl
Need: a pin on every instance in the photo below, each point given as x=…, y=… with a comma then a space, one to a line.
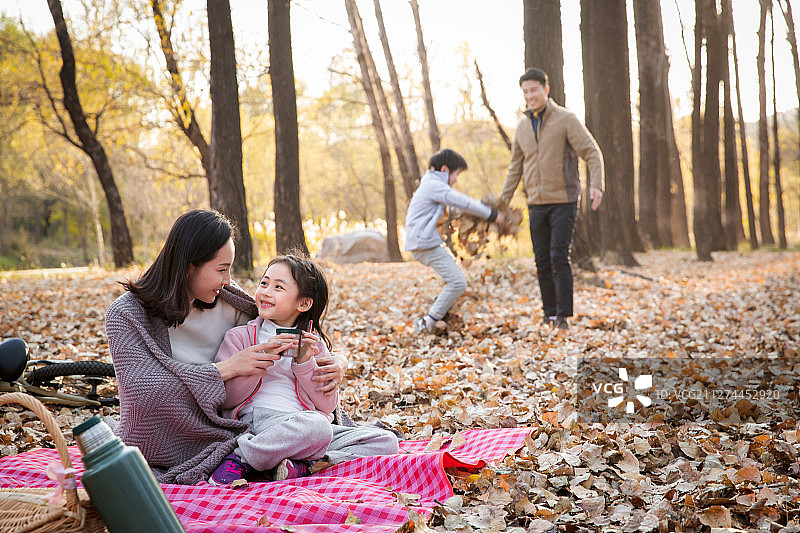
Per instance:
x=290, y=415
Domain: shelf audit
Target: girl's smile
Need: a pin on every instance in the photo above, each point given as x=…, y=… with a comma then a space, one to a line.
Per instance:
x=278, y=296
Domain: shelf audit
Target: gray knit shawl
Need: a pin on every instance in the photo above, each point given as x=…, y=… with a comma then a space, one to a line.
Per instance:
x=169, y=409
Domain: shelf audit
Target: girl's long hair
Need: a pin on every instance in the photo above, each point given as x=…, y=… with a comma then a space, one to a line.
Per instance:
x=312, y=283
x=195, y=239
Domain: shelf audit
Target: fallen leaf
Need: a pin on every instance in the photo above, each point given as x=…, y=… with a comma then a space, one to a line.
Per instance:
x=715, y=516
x=457, y=440
x=593, y=506
x=435, y=444
x=748, y=473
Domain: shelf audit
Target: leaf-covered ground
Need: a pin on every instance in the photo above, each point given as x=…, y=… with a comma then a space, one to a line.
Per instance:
x=493, y=365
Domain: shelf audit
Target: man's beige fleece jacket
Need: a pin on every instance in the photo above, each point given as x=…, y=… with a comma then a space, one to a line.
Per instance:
x=549, y=167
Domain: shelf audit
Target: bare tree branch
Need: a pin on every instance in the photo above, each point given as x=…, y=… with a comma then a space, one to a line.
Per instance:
x=64, y=131
x=182, y=110
x=486, y=104
x=147, y=163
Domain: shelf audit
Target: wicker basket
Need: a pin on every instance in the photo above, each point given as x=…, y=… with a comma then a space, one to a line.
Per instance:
x=27, y=509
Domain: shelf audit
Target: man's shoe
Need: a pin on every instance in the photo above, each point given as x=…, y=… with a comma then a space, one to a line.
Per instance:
x=561, y=323
x=548, y=321
x=291, y=469
x=230, y=469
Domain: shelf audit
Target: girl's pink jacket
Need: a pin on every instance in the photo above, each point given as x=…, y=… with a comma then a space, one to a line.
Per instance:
x=240, y=390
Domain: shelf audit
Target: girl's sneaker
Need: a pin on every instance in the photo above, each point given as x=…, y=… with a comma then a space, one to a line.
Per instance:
x=291, y=469
x=230, y=469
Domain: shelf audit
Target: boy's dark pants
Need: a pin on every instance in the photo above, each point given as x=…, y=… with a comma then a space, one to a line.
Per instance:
x=551, y=235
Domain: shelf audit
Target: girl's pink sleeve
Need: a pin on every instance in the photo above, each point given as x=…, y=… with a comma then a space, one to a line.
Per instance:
x=237, y=389
x=307, y=391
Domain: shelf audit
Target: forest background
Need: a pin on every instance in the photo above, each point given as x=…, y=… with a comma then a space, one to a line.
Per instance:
x=53, y=208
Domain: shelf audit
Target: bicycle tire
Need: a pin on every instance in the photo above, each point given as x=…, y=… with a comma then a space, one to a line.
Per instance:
x=76, y=368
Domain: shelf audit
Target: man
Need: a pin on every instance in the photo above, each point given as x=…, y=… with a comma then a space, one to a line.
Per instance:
x=547, y=143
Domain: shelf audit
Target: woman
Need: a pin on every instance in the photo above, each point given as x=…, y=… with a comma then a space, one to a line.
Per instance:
x=163, y=335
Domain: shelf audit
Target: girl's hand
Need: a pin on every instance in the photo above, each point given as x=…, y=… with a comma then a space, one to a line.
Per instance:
x=286, y=344
x=309, y=347
x=330, y=373
x=252, y=360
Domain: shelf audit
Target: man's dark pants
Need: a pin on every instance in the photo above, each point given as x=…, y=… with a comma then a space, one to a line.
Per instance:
x=551, y=235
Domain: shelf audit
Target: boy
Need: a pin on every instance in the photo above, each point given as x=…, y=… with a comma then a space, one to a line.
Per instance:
x=427, y=206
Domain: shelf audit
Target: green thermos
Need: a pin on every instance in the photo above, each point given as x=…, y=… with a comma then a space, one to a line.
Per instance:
x=120, y=484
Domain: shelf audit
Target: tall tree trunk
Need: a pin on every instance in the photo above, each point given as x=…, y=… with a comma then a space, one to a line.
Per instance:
x=94, y=205
x=84, y=235
x=702, y=237
x=120, y=236
x=65, y=210
x=716, y=51
x=182, y=110
x=541, y=24
x=791, y=36
x=409, y=151
x=289, y=232
x=776, y=160
x=409, y=180
x=226, y=178
x=5, y=214
x=732, y=214
x=433, y=127
x=654, y=172
x=380, y=135
x=604, y=42
x=732, y=217
x=751, y=214
x=679, y=223
x=763, y=131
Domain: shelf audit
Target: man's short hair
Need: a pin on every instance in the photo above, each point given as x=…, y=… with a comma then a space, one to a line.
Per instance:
x=534, y=74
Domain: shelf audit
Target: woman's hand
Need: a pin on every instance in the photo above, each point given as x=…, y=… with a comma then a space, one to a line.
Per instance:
x=252, y=360
x=330, y=373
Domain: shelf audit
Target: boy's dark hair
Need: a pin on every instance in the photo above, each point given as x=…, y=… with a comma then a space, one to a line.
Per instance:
x=311, y=283
x=534, y=74
x=447, y=158
x=195, y=239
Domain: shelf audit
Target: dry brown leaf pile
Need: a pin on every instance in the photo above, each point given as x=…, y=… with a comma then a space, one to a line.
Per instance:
x=468, y=236
x=492, y=365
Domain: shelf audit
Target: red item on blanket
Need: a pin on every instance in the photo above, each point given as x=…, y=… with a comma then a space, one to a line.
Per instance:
x=321, y=503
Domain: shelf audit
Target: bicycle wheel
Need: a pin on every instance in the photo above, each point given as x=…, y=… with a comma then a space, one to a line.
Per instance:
x=75, y=368
x=85, y=379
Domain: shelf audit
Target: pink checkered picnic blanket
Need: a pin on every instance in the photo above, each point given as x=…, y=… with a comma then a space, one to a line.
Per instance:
x=321, y=503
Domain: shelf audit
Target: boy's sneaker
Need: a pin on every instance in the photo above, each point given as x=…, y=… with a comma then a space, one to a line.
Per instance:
x=291, y=469
x=420, y=325
x=230, y=469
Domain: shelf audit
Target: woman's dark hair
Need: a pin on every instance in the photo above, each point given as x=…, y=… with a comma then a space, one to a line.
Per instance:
x=447, y=158
x=195, y=239
x=534, y=74
x=311, y=283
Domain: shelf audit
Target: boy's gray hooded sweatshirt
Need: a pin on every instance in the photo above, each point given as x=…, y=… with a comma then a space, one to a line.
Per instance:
x=427, y=207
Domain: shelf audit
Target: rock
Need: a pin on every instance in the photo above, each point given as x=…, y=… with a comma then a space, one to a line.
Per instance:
x=355, y=247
